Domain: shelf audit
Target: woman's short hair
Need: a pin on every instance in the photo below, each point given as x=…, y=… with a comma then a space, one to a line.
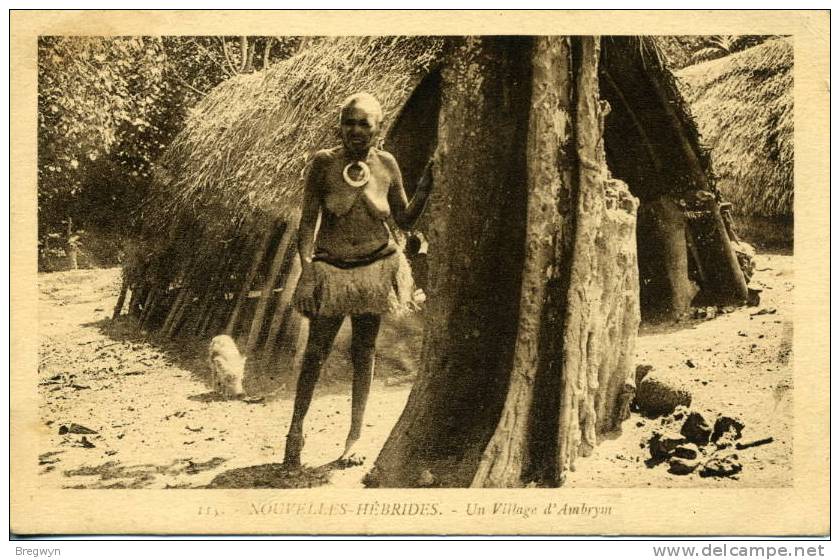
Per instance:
x=365, y=100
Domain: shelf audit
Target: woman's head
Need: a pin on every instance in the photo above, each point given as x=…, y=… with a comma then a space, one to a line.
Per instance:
x=360, y=119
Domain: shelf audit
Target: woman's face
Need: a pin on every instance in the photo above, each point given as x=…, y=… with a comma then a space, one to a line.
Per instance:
x=359, y=128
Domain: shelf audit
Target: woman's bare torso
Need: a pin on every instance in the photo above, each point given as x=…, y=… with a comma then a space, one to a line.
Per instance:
x=353, y=218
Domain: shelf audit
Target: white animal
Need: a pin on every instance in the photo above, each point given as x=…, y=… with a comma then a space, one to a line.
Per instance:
x=227, y=367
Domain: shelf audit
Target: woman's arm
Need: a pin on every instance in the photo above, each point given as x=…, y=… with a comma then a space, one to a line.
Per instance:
x=311, y=209
x=406, y=213
x=306, y=231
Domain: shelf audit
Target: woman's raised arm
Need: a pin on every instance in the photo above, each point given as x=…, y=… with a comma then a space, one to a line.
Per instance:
x=406, y=213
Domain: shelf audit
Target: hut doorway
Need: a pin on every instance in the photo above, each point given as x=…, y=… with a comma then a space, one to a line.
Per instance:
x=651, y=143
x=412, y=137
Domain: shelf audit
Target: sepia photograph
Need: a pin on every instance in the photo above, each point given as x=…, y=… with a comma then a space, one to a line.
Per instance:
x=344, y=274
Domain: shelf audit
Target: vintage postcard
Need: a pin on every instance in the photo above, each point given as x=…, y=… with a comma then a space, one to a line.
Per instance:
x=464, y=273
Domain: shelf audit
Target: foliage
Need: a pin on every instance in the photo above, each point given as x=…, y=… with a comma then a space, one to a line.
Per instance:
x=716, y=46
x=198, y=64
x=108, y=106
x=683, y=50
x=91, y=91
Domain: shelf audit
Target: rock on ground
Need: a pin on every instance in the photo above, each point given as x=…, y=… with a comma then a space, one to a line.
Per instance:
x=660, y=392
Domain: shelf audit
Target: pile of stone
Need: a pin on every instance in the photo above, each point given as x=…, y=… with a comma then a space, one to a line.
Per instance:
x=689, y=442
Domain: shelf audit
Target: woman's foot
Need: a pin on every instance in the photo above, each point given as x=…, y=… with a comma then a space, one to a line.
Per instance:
x=294, y=445
x=350, y=458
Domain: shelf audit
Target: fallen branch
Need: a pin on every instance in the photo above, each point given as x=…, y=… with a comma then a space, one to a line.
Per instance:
x=754, y=443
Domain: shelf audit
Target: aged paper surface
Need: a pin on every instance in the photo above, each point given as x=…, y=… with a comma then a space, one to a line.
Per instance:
x=800, y=508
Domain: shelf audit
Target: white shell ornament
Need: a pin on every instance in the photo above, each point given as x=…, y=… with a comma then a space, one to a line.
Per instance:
x=361, y=181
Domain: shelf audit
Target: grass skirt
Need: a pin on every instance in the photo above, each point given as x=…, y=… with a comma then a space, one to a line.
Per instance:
x=383, y=286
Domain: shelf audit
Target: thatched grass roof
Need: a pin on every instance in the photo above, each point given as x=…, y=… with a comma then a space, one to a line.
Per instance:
x=743, y=104
x=243, y=151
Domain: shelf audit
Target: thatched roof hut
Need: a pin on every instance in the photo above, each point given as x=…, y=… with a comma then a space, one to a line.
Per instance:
x=544, y=149
x=243, y=150
x=651, y=139
x=222, y=220
x=653, y=144
x=743, y=104
x=220, y=223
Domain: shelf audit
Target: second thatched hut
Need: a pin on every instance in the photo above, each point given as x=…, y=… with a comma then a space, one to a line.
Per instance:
x=743, y=104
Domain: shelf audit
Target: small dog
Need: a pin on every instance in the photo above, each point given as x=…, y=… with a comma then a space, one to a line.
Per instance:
x=227, y=367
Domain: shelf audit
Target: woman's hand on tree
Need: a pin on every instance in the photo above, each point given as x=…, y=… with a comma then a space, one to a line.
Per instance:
x=426, y=183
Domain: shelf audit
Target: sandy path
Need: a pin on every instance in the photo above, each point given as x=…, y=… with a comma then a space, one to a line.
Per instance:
x=157, y=423
x=742, y=367
x=159, y=426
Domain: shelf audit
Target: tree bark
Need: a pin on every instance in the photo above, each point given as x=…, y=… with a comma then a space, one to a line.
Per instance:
x=549, y=181
x=533, y=305
x=269, y=42
x=252, y=51
x=243, y=53
x=476, y=240
x=602, y=312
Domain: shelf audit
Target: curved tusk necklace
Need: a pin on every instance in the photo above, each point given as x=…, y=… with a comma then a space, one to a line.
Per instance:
x=361, y=181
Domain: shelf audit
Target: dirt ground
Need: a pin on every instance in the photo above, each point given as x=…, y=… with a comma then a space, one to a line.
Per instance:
x=158, y=425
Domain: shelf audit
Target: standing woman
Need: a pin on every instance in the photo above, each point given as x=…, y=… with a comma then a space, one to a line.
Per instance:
x=352, y=266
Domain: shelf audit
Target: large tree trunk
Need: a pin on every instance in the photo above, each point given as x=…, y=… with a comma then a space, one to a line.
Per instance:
x=508, y=459
x=476, y=239
x=533, y=304
x=602, y=309
x=243, y=53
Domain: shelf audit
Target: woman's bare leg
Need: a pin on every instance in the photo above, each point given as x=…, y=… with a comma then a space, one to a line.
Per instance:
x=322, y=331
x=363, y=354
